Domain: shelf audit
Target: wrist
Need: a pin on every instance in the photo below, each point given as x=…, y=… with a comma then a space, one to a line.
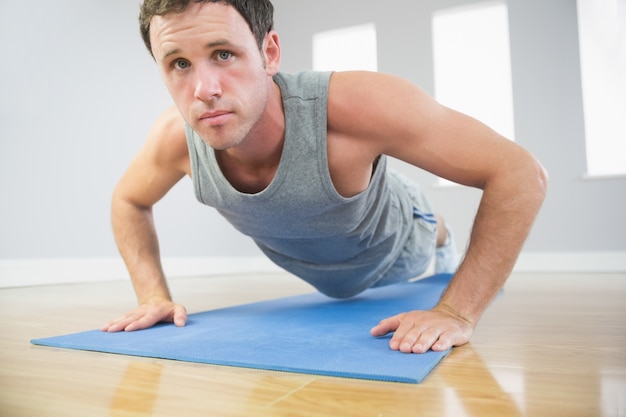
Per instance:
x=450, y=310
x=154, y=298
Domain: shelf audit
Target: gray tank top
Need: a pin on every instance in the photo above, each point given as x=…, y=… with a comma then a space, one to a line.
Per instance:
x=339, y=245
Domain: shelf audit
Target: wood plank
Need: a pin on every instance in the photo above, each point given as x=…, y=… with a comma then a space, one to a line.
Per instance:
x=552, y=345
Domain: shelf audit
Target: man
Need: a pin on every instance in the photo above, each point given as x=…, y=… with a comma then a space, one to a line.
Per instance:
x=298, y=162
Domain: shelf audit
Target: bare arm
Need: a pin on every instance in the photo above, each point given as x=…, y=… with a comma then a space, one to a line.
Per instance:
x=160, y=164
x=398, y=119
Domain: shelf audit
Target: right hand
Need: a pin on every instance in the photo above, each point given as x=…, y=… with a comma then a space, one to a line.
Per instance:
x=147, y=315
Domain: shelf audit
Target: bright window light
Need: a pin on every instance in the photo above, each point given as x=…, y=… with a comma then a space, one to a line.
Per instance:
x=472, y=62
x=602, y=39
x=351, y=48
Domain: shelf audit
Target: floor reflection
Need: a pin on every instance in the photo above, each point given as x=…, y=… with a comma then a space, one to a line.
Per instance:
x=138, y=390
x=470, y=386
x=462, y=386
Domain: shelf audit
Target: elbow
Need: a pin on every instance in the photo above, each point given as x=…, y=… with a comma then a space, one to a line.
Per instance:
x=542, y=178
x=118, y=198
x=123, y=201
x=536, y=179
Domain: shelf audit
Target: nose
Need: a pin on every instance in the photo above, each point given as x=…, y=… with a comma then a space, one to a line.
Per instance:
x=207, y=86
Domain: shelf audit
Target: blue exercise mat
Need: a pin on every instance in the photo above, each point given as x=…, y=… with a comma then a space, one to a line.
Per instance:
x=309, y=334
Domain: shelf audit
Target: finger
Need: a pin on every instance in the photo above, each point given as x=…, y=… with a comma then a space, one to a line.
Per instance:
x=444, y=343
x=426, y=341
x=405, y=337
x=386, y=326
x=143, y=322
x=180, y=316
x=404, y=345
x=134, y=326
x=448, y=340
x=114, y=328
x=119, y=324
x=106, y=327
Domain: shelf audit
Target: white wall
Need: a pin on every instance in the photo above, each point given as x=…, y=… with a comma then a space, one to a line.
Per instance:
x=579, y=215
x=78, y=93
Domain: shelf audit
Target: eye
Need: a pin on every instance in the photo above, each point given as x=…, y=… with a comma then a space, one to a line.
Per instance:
x=181, y=64
x=224, y=55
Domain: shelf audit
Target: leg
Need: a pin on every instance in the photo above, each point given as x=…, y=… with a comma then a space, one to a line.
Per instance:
x=442, y=232
x=446, y=256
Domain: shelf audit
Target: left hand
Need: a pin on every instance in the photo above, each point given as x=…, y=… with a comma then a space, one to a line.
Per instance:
x=418, y=331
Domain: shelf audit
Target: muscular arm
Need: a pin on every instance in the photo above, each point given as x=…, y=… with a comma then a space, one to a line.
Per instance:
x=396, y=118
x=160, y=164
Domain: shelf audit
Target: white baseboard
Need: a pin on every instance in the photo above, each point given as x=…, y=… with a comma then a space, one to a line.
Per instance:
x=30, y=272
x=584, y=262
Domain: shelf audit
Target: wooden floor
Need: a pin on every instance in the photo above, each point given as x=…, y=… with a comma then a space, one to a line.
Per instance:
x=552, y=345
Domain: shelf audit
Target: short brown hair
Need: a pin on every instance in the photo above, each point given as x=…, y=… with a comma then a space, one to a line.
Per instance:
x=259, y=14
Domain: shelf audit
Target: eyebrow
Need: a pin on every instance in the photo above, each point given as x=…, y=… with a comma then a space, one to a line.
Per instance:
x=210, y=45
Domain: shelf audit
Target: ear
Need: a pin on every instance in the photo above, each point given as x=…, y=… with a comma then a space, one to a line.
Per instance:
x=271, y=53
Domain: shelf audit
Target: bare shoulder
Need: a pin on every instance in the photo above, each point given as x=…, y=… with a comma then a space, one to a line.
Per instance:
x=166, y=144
x=389, y=115
x=377, y=107
x=160, y=164
x=360, y=115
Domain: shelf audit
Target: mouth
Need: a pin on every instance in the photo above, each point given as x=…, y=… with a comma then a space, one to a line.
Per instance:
x=215, y=118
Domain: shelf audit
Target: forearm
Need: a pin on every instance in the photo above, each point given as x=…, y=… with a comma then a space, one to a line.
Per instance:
x=137, y=242
x=504, y=219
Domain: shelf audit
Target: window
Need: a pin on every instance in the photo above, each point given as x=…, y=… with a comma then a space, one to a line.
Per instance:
x=472, y=62
x=602, y=39
x=351, y=48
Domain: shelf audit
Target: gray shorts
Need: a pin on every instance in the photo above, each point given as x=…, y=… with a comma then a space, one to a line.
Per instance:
x=419, y=249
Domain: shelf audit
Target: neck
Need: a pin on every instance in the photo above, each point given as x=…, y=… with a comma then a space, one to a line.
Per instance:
x=263, y=146
x=251, y=166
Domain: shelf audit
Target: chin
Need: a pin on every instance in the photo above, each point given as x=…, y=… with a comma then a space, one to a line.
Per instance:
x=220, y=144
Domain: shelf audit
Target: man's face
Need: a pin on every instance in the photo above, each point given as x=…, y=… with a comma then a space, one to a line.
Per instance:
x=213, y=69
